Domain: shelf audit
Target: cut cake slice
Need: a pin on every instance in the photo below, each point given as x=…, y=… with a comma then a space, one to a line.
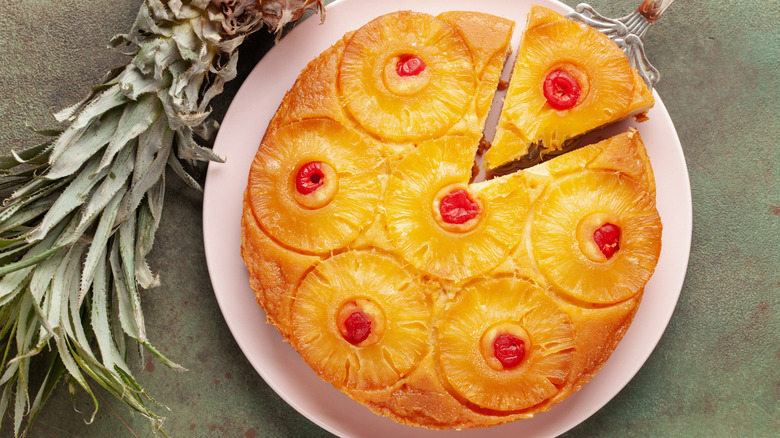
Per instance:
x=568, y=79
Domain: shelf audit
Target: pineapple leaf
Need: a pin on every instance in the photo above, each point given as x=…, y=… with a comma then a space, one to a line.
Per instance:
x=19, y=405
x=124, y=307
x=5, y=401
x=96, y=253
x=44, y=132
x=60, y=289
x=24, y=156
x=74, y=371
x=42, y=277
x=186, y=177
x=136, y=118
x=70, y=199
x=50, y=381
x=20, y=174
x=102, y=103
x=5, y=243
x=134, y=83
x=104, y=193
x=148, y=221
x=190, y=150
x=157, y=137
x=33, y=190
x=126, y=243
x=100, y=314
x=69, y=160
x=68, y=114
x=162, y=358
x=146, y=180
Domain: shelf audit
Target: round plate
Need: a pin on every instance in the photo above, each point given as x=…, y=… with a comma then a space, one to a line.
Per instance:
x=277, y=362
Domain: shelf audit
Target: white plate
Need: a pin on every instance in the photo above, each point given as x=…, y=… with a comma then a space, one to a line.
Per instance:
x=281, y=367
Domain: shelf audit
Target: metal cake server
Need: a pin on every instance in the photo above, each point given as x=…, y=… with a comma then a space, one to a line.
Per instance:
x=628, y=32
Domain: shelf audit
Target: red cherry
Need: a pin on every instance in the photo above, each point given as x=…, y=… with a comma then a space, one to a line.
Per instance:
x=310, y=177
x=457, y=207
x=357, y=328
x=561, y=90
x=509, y=350
x=410, y=65
x=608, y=239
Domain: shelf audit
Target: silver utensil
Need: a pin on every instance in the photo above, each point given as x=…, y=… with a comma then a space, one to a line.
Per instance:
x=628, y=32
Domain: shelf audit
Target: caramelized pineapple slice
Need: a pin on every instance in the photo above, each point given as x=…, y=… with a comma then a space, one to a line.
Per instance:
x=568, y=79
x=505, y=345
x=444, y=226
x=360, y=321
x=314, y=184
x=406, y=76
x=597, y=236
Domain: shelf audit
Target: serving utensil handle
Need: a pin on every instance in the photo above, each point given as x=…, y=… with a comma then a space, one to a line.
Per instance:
x=628, y=32
x=652, y=9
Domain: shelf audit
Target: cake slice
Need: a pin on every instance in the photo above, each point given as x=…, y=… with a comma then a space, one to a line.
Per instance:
x=568, y=79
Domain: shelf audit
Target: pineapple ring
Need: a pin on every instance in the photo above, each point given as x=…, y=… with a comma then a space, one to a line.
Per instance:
x=601, y=70
x=306, y=222
x=480, y=308
x=394, y=297
x=567, y=205
x=404, y=108
x=420, y=238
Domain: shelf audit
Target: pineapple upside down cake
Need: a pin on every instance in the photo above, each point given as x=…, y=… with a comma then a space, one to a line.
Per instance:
x=430, y=298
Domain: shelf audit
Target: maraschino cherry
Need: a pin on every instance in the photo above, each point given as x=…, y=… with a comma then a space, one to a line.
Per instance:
x=457, y=207
x=356, y=328
x=608, y=239
x=410, y=65
x=509, y=350
x=309, y=178
x=561, y=90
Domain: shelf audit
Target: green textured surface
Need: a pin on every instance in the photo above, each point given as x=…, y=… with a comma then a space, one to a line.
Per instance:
x=716, y=369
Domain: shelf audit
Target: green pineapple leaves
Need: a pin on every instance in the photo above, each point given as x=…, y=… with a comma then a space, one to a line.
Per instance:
x=80, y=210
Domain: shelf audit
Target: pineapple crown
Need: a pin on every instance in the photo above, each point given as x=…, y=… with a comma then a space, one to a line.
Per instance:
x=185, y=51
x=85, y=204
x=245, y=16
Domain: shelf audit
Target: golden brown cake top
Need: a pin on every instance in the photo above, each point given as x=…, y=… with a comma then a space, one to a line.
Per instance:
x=430, y=298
